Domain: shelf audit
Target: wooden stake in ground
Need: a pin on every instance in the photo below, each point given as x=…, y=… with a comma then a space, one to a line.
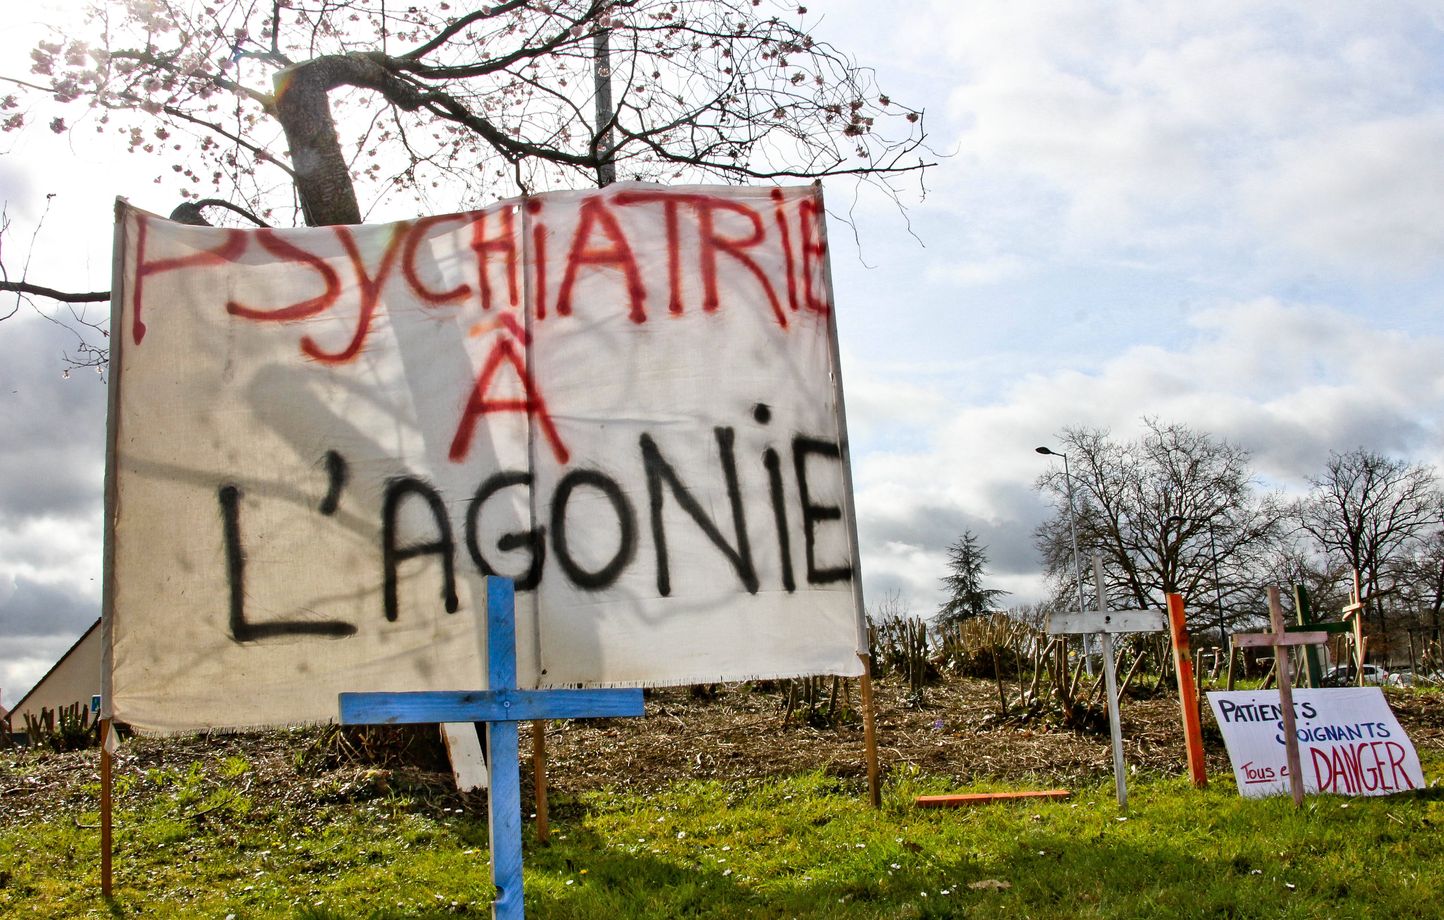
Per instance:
x=1281, y=642
x=539, y=777
x=501, y=706
x=1187, y=699
x=106, y=771
x=1106, y=623
x=1354, y=616
x=869, y=735
x=463, y=749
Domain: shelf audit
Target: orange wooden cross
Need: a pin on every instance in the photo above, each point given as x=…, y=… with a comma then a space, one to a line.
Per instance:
x=1187, y=690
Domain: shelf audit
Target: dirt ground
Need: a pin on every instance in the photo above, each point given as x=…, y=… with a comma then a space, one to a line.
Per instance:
x=956, y=732
x=736, y=734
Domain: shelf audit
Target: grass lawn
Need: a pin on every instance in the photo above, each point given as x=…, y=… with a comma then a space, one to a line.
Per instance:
x=805, y=846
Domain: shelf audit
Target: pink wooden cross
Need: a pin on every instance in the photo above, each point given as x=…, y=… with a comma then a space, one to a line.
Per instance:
x=1281, y=641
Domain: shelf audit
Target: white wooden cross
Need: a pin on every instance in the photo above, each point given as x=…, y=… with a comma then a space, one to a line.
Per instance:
x=1106, y=623
x=501, y=706
x=1281, y=642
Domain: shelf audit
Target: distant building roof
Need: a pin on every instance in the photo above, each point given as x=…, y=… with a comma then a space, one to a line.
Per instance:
x=74, y=678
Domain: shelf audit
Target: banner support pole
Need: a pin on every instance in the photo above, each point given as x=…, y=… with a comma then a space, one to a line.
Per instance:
x=869, y=716
x=106, y=722
x=106, y=768
x=869, y=734
x=539, y=777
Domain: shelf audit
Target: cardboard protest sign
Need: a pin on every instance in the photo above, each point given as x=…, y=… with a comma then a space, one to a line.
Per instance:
x=1350, y=743
x=322, y=439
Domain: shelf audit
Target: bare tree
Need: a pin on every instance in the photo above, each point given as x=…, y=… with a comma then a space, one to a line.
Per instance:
x=1369, y=512
x=333, y=108
x=1326, y=580
x=1175, y=510
x=1421, y=584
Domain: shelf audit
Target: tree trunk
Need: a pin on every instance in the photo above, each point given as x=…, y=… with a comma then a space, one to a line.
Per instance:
x=323, y=180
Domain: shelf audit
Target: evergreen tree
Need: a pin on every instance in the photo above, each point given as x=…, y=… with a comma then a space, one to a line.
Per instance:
x=967, y=598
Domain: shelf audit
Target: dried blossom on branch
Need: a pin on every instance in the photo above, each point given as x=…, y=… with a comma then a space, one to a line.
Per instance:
x=335, y=108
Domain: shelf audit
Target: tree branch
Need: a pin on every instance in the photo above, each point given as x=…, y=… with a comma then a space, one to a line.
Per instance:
x=25, y=287
x=446, y=34
x=189, y=212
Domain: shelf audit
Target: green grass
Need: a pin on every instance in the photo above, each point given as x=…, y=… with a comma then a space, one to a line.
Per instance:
x=807, y=846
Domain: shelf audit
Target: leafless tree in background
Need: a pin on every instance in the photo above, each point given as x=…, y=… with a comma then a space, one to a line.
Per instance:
x=1148, y=506
x=1369, y=513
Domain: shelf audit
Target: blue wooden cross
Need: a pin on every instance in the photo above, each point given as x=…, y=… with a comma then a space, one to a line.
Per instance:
x=500, y=707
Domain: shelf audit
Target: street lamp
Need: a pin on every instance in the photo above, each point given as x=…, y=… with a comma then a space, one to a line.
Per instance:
x=1073, y=529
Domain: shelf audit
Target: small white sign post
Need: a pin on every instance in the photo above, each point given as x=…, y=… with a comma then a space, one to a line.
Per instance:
x=1106, y=623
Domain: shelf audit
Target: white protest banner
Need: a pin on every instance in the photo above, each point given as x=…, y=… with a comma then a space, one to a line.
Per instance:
x=322, y=439
x=1350, y=743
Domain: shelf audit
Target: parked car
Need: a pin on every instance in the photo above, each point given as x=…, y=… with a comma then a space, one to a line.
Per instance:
x=1403, y=678
x=1347, y=676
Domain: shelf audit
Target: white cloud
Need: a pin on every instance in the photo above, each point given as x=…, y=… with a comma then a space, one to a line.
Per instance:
x=1301, y=138
x=1368, y=197
x=978, y=271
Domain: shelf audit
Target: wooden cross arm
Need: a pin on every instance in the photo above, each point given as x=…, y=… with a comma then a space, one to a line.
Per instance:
x=1071, y=622
x=486, y=706
x=1311, y=637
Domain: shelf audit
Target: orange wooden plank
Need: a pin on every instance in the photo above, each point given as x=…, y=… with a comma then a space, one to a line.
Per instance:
x=984, y=798
x=1187, y=691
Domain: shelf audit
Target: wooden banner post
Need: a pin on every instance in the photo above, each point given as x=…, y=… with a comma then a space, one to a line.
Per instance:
x=1187, y=696
x=107, y=768
x=501, y=707
x=869, y=734
x=1282, y=640
x=539, y=778
x=1106, y=623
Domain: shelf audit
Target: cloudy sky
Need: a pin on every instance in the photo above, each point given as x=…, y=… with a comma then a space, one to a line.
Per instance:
x=1224, y=214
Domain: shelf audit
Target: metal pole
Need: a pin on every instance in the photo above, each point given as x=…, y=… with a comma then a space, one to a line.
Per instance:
x=1077, y=567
